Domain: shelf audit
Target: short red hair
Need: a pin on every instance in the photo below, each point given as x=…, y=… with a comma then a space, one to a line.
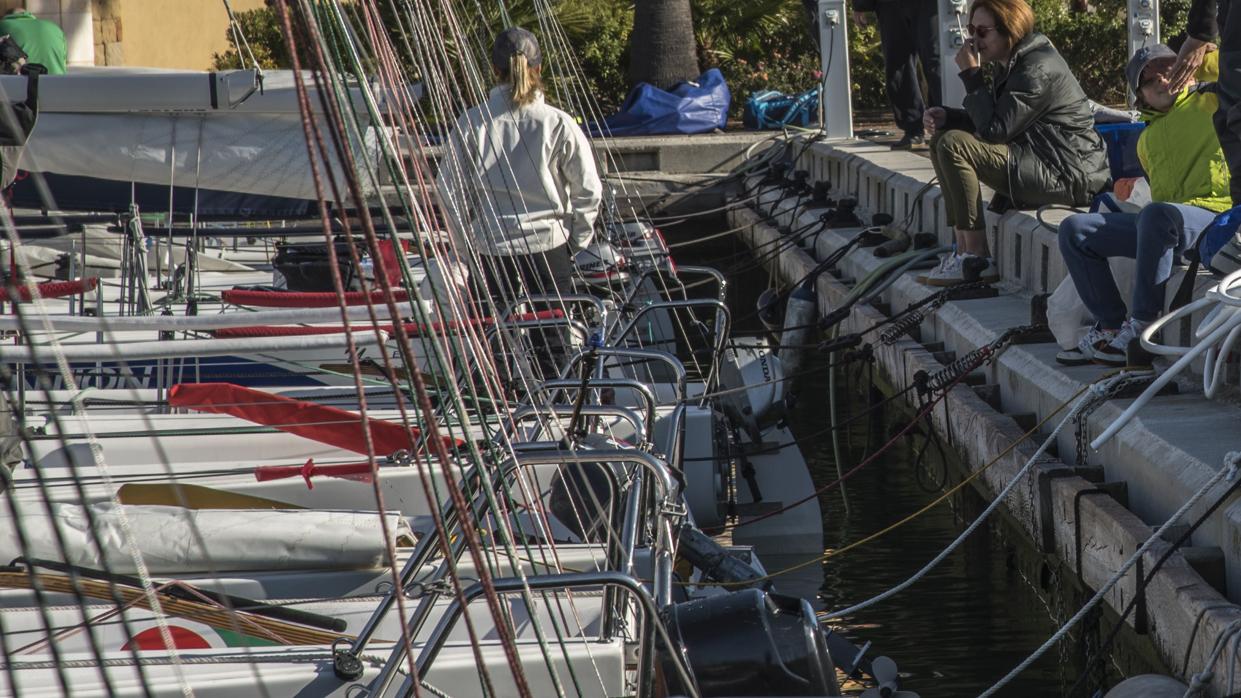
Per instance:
x=1013, y=18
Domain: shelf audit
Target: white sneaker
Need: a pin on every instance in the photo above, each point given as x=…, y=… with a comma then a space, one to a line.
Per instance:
x=967, y=268
x=1116, y=352
x=1094, y=340
x=947, y=263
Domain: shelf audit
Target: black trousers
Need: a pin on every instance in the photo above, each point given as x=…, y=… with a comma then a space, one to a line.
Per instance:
x=1228, y=118
x=510, y=278
x=908, y=31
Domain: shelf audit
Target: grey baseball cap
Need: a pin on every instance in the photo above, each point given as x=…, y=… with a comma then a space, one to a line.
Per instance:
x=513, y=41
x=1141, y=59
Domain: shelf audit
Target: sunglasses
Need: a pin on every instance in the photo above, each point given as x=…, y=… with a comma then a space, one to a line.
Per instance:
x=979, y=30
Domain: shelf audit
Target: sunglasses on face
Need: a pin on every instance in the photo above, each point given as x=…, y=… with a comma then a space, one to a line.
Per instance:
x=979, y=30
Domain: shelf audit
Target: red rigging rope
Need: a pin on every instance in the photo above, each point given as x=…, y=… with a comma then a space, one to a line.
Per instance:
x=317, y=146
x=310, y=128
x=52, y=289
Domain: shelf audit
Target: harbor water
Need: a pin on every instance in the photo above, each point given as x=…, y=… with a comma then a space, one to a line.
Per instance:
x=984, y=608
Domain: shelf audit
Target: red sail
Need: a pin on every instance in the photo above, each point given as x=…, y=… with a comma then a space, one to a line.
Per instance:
x=327, y=425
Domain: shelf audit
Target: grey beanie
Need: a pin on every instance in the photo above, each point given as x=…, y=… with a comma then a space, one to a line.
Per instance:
x=513, y=41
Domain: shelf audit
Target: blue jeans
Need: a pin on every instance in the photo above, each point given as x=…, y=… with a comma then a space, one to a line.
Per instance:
x=1154, y=237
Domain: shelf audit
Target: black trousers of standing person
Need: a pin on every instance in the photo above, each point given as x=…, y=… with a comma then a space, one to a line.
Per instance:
x=509, y=278
x=908, y=31
x=1228, y=117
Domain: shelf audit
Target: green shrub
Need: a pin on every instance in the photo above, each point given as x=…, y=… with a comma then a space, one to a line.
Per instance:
x=262, y=31
x=766, y=44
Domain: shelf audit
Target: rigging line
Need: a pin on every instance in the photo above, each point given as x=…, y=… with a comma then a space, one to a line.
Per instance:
x=555, y=33
x=1229, y=471
x=922, y=413
x=95, y=448
x=424, y=251
x=364, y=223
x=915, y=515
x=456, y=495
x=813, y=437
x=1146, y=580
x=483, y=353
x=313, y=137
x=554, y=553
x=554, y=63
x=431, y=489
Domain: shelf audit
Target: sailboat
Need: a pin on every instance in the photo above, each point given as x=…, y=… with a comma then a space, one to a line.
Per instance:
x=239, y=464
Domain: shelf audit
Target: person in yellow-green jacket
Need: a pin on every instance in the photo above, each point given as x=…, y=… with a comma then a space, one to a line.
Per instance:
x=43, y=41
x=1189, y=185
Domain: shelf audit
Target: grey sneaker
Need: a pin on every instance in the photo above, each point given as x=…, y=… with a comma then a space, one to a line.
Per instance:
x=948, y=263
x=1084, y=353
x=967, y=268
x=1116, y=352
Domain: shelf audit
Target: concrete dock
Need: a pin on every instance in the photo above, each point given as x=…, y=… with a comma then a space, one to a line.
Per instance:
x=1089, y=515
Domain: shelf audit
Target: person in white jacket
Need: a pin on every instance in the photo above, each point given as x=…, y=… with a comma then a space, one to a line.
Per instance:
x=518, y=182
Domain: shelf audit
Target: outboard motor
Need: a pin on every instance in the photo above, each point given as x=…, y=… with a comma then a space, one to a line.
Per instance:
x=762, y=403
x=632, y=232
x=800, y=312
x=600, y=263
x=773, y=647
x=308, y=267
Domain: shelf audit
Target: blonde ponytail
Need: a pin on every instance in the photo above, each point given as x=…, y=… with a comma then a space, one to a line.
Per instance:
x=525, y=81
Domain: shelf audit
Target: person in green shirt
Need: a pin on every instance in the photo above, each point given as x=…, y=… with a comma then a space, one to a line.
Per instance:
x=43, y=41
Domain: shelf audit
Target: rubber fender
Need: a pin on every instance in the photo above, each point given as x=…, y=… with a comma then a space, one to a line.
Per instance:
x=800, y=312
x=1148, y=686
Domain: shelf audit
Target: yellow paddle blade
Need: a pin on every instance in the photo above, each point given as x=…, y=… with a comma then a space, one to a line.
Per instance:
x=195, y=497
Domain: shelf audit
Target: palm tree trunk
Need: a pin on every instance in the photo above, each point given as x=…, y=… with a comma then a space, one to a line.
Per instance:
x=662, y=49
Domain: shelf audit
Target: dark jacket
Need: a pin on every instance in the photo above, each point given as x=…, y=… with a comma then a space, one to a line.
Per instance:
x=1201, y=21
x=1035, y=106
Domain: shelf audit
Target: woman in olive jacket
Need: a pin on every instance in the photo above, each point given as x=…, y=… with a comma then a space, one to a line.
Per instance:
x=1026, y=131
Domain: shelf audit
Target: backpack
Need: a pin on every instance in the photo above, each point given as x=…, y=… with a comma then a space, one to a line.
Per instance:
x=769, y=109
x=1218, y=248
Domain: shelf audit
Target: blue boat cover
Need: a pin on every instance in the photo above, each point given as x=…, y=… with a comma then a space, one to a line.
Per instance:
x=690, y=107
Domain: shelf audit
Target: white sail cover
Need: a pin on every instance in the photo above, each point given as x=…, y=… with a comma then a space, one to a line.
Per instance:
x=183, y=128
x=235, y=539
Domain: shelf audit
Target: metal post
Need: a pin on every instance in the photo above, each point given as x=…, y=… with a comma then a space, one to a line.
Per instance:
x=1143, y=24
x=952, y=22
x=835, y=95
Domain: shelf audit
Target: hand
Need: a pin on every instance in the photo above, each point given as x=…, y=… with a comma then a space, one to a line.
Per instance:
x=967, y=57
x=860, y=19
x=933, y=119
x=1188, y=60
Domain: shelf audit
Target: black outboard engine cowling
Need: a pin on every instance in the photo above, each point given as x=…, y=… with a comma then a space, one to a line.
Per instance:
x=308, y=267
x=750, y=643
